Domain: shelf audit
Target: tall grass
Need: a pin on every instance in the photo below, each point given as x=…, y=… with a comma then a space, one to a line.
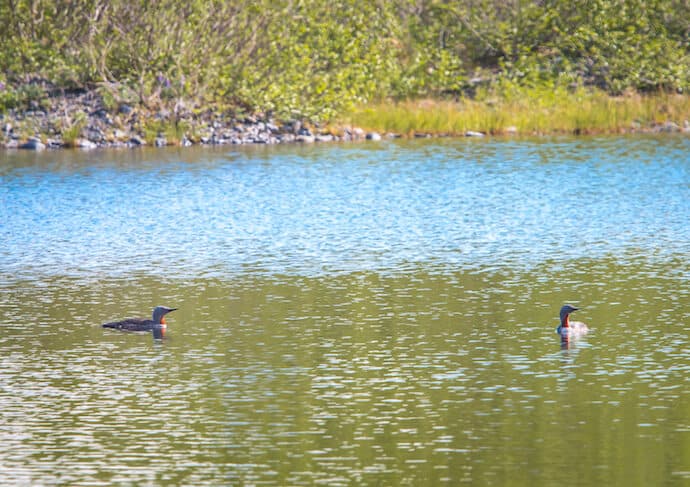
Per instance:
x=72, y=128
x=527, y=112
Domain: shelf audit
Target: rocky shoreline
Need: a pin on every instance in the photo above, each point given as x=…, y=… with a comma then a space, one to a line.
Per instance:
x=82, y=120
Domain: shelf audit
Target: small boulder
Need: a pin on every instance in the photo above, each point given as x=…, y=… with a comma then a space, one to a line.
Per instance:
x=34, y=143
x=307, y=139
x=54, y=144
x=357, y=133
x=86, y=144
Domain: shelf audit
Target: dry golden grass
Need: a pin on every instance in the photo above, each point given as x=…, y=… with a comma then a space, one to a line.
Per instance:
x=530, y=112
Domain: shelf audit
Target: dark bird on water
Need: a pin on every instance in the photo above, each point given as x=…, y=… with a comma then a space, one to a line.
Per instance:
x=157, y=325
x=569, y=328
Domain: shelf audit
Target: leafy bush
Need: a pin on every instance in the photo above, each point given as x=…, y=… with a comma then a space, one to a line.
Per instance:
x=314, y=59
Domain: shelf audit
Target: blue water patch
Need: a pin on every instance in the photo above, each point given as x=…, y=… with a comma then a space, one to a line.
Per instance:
x=340, y=208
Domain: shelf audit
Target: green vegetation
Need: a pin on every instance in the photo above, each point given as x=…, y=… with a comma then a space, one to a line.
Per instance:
x=536, y=111
x=319, y=59
x=71, y=129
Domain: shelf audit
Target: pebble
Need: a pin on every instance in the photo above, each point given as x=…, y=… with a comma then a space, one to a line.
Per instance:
x=668, y=127
x=125, y=109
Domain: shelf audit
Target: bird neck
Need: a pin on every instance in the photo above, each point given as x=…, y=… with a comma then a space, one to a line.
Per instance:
x=162, y=321
x=565, y=321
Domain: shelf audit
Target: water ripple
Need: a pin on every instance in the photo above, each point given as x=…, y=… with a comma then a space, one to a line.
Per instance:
x=346, y=208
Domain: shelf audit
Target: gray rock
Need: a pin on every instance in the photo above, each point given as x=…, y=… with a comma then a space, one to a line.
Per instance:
x=33, y=144
x=472, y=133
x=86, y=144
x=324, y=138
x=135, y=140
x=94, y=133
x=373, y=136
x=54, y=144
x=669, y=127
x=100, y=113
x=286, y=138
x=125, y=109
x=307, y=139
x=357, y=133
x=161, y=142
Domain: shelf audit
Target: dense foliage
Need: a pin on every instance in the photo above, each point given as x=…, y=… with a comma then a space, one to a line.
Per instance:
x=313, y=58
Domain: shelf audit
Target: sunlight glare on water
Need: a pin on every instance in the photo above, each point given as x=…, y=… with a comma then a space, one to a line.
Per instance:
x=368, y=314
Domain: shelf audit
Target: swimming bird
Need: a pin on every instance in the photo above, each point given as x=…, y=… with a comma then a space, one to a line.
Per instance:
x=157, y=325
x=569, y=328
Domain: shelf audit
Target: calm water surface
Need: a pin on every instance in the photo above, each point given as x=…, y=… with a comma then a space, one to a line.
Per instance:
x=371, y=314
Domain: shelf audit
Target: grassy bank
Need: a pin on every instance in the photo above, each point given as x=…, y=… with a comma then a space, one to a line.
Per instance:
x=528, y=112
x=88, y=120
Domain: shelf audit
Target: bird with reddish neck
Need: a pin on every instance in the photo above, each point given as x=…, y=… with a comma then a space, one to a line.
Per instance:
x=156, y=325
x=570, y=329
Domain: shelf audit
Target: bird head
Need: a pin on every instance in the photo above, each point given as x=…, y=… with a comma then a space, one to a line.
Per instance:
x=566, y=310
x=159, y=312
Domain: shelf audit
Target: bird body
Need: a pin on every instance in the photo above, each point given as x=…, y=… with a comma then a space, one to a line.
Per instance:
x=567, y=328
x=156, y=324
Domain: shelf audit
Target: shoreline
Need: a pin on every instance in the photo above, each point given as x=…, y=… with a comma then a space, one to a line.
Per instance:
x=83, y=121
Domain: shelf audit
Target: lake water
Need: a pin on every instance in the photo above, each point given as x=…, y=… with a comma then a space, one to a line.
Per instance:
x=365, y=314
